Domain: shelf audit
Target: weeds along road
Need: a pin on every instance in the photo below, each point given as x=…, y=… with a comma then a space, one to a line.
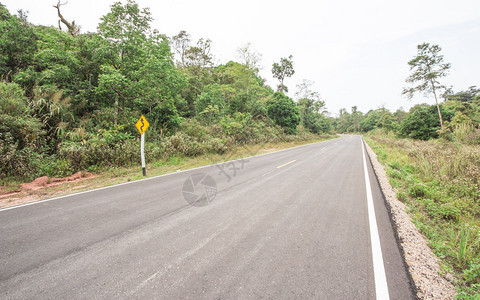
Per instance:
x=290, y=224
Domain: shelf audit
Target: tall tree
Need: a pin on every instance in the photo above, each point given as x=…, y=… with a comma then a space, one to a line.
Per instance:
x=140, y=73
x=250, y=60
x=200, y=55
x=305, y=91
x=196, y=63
x=180, y=44
x=427, y=68
x=312, y=107
x=282, y=70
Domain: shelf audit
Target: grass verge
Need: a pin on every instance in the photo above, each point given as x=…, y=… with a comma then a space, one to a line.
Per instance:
x=440, y=184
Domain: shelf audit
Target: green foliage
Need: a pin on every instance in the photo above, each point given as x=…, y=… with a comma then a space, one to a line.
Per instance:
x=139, y=73
x=422, y=122
x=76, y=97
x=312, y=108
x=21, y=135
x=282, y=70
x=349, y=122
x=212, y=96
x=17, y=44
x=465, y=96
x=284, y=112
x=312, y=119
x=103, y=148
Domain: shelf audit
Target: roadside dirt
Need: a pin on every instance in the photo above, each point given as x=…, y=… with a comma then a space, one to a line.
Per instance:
x=41, y=188
x=421, y=261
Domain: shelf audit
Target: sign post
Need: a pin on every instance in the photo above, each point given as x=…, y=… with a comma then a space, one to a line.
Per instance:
x=142, y=152
x=142, y=125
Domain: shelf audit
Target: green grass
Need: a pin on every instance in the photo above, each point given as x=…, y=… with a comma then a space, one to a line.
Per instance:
x=440, y=184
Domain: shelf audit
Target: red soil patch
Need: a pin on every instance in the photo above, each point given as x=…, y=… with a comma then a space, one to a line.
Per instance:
x=34, y=191
x=45, y=181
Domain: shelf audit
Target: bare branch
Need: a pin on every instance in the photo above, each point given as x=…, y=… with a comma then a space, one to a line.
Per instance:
x=73, y=29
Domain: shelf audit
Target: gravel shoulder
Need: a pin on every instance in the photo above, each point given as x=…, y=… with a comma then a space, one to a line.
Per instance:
x=430, y=281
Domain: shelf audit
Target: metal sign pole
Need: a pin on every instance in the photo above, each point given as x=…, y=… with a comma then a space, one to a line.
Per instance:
x=142, y=125
x=142, y=148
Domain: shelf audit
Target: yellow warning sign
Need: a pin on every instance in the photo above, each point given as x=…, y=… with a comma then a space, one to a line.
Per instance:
x=142, y=125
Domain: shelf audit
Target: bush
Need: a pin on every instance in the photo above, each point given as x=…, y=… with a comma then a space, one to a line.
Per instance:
x=21, y=135
x=284, y=112
x=423, y=122
x=105, y=148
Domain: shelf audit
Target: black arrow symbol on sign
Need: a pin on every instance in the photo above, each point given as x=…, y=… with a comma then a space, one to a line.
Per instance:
x=141, y=127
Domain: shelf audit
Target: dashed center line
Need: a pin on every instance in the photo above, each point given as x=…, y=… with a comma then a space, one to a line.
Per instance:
x=286, y=164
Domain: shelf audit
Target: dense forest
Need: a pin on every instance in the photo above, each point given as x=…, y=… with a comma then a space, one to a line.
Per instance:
x=69, y=100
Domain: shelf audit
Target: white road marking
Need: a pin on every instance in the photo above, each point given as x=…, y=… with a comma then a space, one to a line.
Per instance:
x=381, y=286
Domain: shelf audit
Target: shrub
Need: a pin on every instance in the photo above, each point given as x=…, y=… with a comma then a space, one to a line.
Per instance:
x=104, y=148
x=284, y=112
x=422, y=122
x=21, y=135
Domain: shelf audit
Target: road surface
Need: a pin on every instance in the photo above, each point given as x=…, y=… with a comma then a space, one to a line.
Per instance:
x=291, y=224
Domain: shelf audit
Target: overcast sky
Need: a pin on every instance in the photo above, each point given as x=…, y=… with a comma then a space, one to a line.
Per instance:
x=356, y=52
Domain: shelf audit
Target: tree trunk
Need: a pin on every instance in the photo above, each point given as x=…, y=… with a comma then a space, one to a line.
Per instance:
x=438, y=106
x=115, y=120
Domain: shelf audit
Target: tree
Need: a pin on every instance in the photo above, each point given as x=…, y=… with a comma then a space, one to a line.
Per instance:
x=250, y=60
x=195, y=62
x=139, y=73
x=180, y=44
x=242, y=87
x=282, y=70
x=379, y=118
x=312, y=108
x=18, y=43
x=427, y=68
x=465, y=96
x=199, y=56
x=284, y=112
x=349, y=122
x=304, y=91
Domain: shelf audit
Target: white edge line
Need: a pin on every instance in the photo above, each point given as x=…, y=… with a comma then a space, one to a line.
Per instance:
x=381, y=286
x=154, y=177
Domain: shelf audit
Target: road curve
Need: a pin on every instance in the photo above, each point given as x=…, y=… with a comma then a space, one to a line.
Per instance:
x=291, y=224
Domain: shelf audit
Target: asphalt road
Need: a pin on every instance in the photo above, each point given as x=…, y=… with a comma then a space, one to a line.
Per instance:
x=291, y=224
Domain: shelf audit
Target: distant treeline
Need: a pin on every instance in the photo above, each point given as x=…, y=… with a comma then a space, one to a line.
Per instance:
x=460, y=112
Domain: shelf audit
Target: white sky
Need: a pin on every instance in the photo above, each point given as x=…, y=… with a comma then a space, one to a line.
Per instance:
x=356, y=52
